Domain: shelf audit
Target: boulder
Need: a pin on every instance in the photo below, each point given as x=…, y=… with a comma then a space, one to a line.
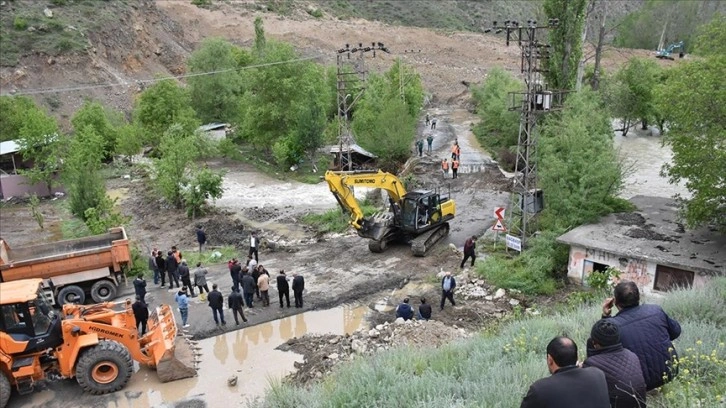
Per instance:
x=500, y=293
x=48, y=12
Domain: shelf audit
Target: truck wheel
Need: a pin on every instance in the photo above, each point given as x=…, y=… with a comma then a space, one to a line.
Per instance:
x=103, y=291
x=5, y=390
x=103, y=368
x=71, y=294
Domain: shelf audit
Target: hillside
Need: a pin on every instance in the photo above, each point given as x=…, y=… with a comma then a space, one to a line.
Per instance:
x=89, y=43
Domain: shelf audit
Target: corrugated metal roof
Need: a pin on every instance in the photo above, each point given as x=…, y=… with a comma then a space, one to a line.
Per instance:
x=8, y=147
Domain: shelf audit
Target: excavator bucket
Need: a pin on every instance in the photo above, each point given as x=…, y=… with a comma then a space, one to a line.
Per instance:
x=376, y=226
x=173, y=355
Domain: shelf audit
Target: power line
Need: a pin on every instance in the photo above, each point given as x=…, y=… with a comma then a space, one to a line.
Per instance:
x=40, y=91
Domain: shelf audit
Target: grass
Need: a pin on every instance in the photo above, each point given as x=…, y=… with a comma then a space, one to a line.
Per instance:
x=335, y=220
x=207, y=257
x=470, y=373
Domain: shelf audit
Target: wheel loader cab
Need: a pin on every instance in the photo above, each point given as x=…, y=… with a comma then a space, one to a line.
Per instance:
x=27, y=317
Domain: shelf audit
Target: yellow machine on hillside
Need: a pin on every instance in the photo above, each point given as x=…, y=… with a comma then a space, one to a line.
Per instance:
x=96, y=344
x=419, y=218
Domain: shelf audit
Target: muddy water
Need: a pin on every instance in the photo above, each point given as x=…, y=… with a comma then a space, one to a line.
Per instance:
x=248, y=353
x=645, y=156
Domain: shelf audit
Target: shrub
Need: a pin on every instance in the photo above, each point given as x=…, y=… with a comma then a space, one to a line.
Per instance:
x=19, y=23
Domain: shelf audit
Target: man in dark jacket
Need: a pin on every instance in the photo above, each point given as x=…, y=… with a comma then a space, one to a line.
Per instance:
x=621, y=366
x=216, y=302
x=298, y=286
x=141, y=314
x=647, y=331
x=234, y=302
x=448, y=284
x=424, y=310
x=569, y=386
x=404, y=310
x=152, y=266
x=469, y=250
x=283, y=287
x=161, y=264
x=201, y=237
x=140, y=287
x=185, y=276
x=255, y=273
x=171, y=266
x=235, y=271
x=248, y=288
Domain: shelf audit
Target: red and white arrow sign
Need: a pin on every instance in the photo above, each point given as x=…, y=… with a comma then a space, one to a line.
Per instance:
x=499, y=213
x=499, y=226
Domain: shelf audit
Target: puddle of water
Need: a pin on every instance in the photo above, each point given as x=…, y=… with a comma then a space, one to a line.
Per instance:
x=118, y=193
x=248, y=353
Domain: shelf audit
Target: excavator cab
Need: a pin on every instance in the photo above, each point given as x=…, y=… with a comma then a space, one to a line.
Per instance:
x=421, y=211
x=27, y=318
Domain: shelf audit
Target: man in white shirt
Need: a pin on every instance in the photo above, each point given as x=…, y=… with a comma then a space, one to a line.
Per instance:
x=254, y=242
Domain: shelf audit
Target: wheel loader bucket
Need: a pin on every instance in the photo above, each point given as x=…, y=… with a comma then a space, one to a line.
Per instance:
x=173, y=355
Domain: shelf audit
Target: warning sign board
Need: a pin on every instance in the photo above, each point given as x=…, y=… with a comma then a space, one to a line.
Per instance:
x=498, y=226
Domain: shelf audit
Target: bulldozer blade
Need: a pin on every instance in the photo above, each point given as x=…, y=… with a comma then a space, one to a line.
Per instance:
x=173, y=355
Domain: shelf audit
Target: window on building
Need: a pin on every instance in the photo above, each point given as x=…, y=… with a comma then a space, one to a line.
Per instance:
x=667, y=278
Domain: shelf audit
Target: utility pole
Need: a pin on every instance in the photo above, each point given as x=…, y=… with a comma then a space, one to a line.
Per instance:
x=350, y=87
x=535, y=100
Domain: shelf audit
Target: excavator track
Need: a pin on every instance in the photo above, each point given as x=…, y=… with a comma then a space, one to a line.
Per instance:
x=424, y=242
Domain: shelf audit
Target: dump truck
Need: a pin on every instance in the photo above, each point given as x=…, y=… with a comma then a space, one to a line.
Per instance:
x=95, y=344
x=72, y=270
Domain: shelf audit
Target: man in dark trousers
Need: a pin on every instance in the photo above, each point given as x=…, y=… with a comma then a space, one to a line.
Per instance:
x=153, y=268
x=186, y=277
x=200, y=278
x=298, y=286
x=235, y=271
x=248, y=288
x=448, y=284
x=424, y=310
x=469, y=250
x=171, y=266
x=140, y=287
x=216, y=302
x=201, y=237
x=141, y=314
x=161, y=264
x=430, y=141
x=626, y=386
x=254, y=244
x=569, y=386
x=234, y=302
x=647, y=331
x=283, y=287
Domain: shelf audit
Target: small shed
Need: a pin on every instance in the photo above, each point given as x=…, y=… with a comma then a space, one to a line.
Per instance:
x=215, y=131
x=649, y=246
x=12, y=183
x=360, y=157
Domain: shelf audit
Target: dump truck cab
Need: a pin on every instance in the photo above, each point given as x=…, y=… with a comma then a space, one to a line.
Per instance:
x=28, y=319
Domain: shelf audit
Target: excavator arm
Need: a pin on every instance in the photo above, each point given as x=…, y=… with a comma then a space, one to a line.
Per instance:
x=341, y=184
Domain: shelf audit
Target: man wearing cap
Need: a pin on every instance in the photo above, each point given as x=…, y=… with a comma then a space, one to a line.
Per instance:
x=626, y=386
x=569, y=386
x=647, y=331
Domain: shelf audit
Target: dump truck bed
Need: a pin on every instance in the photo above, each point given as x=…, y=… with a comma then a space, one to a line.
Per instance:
x=110, y=250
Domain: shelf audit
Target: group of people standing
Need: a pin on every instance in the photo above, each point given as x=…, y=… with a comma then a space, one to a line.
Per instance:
x=455, y=156
x=627, y=355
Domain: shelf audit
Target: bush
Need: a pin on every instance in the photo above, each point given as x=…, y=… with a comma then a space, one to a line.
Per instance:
x=19, y=23
x=498, y=127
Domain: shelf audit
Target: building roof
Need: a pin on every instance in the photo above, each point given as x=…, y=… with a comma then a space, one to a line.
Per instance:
x=213, y=126
x=9, y=146
x=652, y=232
x=353, y=148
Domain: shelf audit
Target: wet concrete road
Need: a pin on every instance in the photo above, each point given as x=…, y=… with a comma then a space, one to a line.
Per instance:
x=248, y=353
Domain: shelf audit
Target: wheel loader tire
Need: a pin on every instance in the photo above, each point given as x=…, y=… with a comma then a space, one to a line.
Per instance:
x=103, y=368
x=5, y=390
x=103, y=291
x=71, y=294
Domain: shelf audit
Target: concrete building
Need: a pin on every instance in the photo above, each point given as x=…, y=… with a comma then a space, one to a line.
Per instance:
x=649, y=246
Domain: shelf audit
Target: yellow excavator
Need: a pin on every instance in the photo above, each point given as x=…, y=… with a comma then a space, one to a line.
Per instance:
x=419, y=218
x=96, y=344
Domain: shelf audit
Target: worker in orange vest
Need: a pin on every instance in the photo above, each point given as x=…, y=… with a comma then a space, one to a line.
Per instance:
x=445, y=167
x=455, y=151
x=455, y=167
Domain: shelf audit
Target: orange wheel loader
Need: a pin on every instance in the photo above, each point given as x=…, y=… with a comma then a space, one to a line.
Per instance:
x=96, y=344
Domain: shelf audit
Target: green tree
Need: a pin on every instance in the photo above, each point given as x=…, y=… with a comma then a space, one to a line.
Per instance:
x=84, y=185
x=630, y=94
x=694, y=101
x=204, y=185
x=498, y=127
x=260, y=41
x=161, y=105
x=711, y=38
x=566, y=41
x=178, y=151
x=130, y=140
x=404, y=80
x=579, y=170
x=215, y=97
x=40, y=143
x=387, y=132
x=93, y=114
x=13, y=110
